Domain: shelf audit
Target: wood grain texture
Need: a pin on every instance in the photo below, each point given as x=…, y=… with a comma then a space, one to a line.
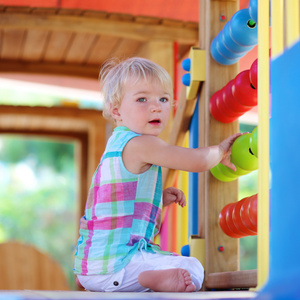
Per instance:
x=214, y=194
x=227, y=280
x=25, y=267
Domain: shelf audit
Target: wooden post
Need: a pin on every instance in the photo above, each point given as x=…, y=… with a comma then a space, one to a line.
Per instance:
x=214, y=194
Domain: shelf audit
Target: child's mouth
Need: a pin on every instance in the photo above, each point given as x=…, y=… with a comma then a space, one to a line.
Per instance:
x=155, y=122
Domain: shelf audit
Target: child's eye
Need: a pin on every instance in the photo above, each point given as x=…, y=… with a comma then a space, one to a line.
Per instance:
x=164, y=99
x=141, y=100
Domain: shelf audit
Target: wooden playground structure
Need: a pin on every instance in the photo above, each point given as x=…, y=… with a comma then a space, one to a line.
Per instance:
x=221, y=267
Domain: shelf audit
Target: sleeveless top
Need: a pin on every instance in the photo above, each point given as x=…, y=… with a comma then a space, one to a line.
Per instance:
x=122, y=213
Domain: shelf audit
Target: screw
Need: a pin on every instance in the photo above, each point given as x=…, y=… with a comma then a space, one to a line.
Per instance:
x=222, y=18
x=221, y=248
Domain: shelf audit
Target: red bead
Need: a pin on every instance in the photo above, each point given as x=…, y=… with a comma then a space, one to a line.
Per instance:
x=253, y=210
x=223, y=222
x=231, y=101
x=230, y=222
x=253, y=74
x=242, y=90
x=236, y=217
x=224, y=107
x=215, y=112
x=245, y=215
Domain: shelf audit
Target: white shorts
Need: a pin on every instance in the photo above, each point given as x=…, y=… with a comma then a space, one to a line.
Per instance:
x=126, y=280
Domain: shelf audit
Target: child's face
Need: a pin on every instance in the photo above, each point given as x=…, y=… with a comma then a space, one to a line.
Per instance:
x=144, y=108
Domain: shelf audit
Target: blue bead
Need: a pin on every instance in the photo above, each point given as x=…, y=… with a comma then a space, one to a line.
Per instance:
x=227, y=53
x=239, y=30
x=252, y=7
x=186, y=64
x=230, y=43
x=185, y=250
x=218, y=57
x=186, y=79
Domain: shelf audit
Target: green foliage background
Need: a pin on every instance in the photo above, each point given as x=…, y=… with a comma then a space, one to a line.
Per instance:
x=248, y=187
x=38, y=196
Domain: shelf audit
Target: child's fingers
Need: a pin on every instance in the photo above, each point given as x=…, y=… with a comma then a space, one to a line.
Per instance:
x=230, y=165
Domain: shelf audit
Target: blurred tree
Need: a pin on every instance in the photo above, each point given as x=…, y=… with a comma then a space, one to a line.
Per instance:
x=38, y=196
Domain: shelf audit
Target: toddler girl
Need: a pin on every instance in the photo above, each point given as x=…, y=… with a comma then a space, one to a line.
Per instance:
x=115, y=251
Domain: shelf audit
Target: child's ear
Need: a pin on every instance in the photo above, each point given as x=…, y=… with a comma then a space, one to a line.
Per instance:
x=114, y=111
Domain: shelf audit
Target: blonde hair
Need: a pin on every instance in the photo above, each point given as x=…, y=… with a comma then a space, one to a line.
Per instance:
x=114, y=74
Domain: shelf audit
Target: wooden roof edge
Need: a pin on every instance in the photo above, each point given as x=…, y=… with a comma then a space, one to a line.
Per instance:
x=72, y=111
x=119, y=27
x=98, y=15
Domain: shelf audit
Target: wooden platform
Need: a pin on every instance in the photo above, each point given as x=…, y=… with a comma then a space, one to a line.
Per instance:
x=73, y=295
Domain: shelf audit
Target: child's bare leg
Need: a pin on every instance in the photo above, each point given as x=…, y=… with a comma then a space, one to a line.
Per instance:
x=170, y=280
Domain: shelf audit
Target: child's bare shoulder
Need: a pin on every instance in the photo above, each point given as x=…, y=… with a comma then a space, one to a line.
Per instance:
x=146, y=141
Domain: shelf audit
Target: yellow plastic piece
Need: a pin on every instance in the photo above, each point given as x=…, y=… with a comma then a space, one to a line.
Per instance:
x=263, y=144
x=197, y=72
x=182, y=212
x=277, y=27
x=197, y=248
x=292, y=21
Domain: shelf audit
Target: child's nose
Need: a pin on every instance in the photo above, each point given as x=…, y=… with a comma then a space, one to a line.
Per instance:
x=156, y=106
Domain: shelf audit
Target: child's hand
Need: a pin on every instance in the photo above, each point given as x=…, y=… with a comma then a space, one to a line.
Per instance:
x=173, y=195
x=225, y=147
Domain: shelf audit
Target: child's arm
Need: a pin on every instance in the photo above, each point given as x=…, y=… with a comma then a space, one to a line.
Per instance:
x=173, y=195
x=145, y=150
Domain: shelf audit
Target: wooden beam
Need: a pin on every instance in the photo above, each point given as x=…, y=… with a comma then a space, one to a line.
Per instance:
x=86, y=114
x=216, y=194
x=84, y=70
x=227, y=280
x=122, y=29
x=181, y=123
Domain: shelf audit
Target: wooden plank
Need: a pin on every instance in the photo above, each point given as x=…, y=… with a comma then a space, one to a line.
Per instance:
x=217, y=193
x=18, y=9
x=34, y=45
x=71, y=112
x=102, y=49
x=96, y=14
x=126, y=48
x=120, y=17
x=131, y=30
x=227, y=280
x=181, y=123
x=58, y=45
x=24, y=267
x=70, y=12
x=1, y=41
x=147, y=20
x=172, y=23
x=88, y=71
x=203, y=122
x=12, y=43
x=44, y=10
x=76, y=52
